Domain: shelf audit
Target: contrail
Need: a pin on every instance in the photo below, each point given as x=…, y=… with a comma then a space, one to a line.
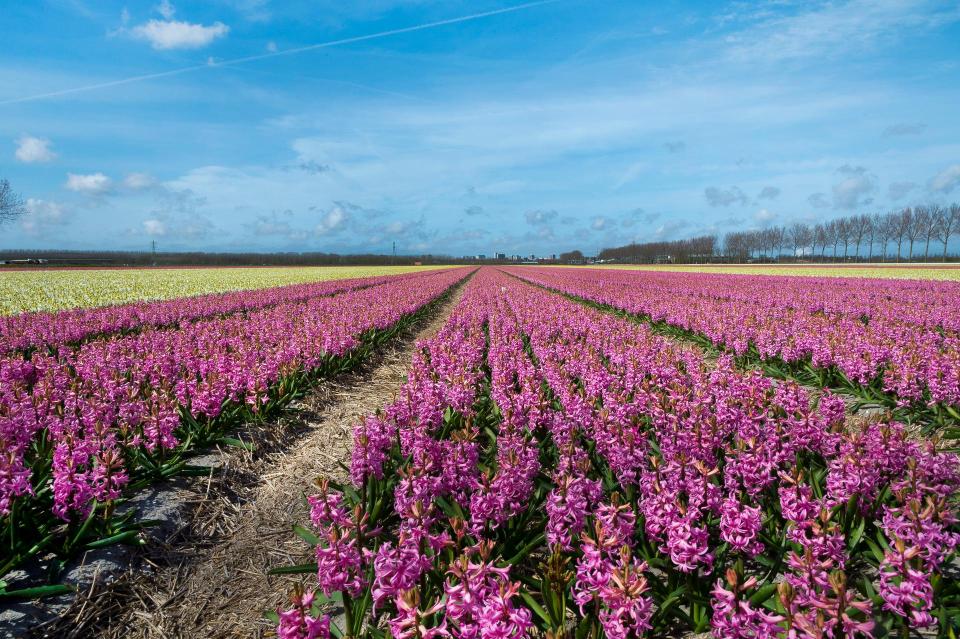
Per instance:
x=275, y=54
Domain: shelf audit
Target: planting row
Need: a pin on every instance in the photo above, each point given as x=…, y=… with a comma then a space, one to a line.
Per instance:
x=55, y=289
x=552, y=470
x=894, y=339
x=80, y=427
x=54, y=330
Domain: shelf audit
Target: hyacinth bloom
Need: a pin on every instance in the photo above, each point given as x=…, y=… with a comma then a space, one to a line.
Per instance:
x=734, y=617
x=81, y=418
x=298, y=622
x=903, y=331
x=533, y=427
x=59, y=329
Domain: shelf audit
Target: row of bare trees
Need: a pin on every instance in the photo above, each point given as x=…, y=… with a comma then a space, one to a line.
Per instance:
x=695, y=249
x=910, y=232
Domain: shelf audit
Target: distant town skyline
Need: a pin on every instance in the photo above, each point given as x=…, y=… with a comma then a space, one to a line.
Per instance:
x=466, y=128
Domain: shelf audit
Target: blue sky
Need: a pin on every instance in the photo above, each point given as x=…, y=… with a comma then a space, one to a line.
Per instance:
x=559, y=125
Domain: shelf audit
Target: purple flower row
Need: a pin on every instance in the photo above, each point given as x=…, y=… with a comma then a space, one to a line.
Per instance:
x=54, y=330
x=653, y=471
x=76, y=424
x=906, y=331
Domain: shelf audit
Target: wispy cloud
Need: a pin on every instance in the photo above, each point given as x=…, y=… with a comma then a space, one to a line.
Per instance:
x=165, y=37
x=835, y=28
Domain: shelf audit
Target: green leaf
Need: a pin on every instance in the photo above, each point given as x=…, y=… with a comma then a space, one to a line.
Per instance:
x=305, y=535
x=272, y=616
x=236, y=443
x=298, y=569
x=763, y=594
x=875, y=549
x=527, y=549
x=535, y=607
x=856, y=535
x=119, y=538
x=583, y=628
x=37, y=592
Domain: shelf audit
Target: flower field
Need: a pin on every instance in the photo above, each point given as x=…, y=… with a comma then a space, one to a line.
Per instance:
x=90, y=416
x=945, y=272
x=24, y=291
x=893, y=341
x=556, y=468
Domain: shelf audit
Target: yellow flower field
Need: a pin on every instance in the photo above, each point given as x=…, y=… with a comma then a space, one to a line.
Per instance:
x=949, y=272
x=49, y=290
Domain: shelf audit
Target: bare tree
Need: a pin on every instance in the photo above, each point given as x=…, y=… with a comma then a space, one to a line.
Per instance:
x=780, y=236
x=800, y=237
x=11, y=204
x=859, y=225
x=820, y=238
x=844, y=234
x=949, y=225
x=875, y=233
x=916, y=224
x=934, y=216
x=768, y=241
x=833, y=235
x=897, y=223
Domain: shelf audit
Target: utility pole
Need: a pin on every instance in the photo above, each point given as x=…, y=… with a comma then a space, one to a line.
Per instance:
x=153, y=249
x=394, y=260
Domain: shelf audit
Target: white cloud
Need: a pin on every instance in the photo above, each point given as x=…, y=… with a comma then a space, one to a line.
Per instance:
x=898, y=190
x=725, y=197
x=540, y=217
x=333, y=221
x=174, y=34
x=631, y=173
x=165, y=9
x=599, y=223
x=904, y=128
x=946, y=180
x=154, y=228
x=818, y=200
x=848, y=193
x=769, y=193
x=31, y=149
x=92, y=184
x=139, y=181
x=42, y=215
x=763, y=216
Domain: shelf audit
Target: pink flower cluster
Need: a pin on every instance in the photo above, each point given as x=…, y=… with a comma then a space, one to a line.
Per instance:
x=55, y=330
x=535, y=433
x=906, y=331
x=89, y=413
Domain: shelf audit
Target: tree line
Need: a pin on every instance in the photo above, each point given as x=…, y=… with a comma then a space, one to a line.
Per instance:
x=691, y=250
x=921, y=232
x=197, y=258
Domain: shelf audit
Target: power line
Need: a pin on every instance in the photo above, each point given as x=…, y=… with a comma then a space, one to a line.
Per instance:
x=276, y=54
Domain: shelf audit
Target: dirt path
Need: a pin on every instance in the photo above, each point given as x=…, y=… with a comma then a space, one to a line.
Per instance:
x=211, y=582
